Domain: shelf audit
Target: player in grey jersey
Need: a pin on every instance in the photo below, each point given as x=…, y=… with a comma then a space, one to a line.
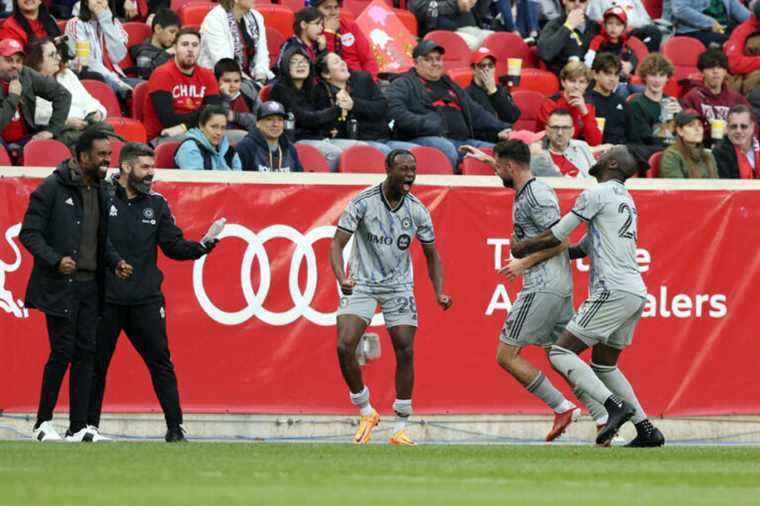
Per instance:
x=383, y=221
x=544, y=305
x=607, y=319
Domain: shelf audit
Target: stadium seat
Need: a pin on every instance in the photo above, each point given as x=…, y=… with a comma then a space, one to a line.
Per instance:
x=116, y=146
x=194, y=13
x=683, y=53
x=45, y=153
x=138, y=100
x=457, y=52
x=5, y=160
x=131, y=129
x=176, y=5
x=355, y=7
x=293, y=5
x=408, y=19
x=538, y=80
x=654, y=165
x=137, y=32
x=165, y=154
x=275, y=40
x=278, y=17
x=431, y=161
x=509, y=45
x=529, y=102
x=312, y=159
x=104, y=94
x=653, y=7
x=463, y=77
x=264, y=92
x=473, y=167
x=362, y=160
x=639, y=48
x=672, y=88
x=62, y=25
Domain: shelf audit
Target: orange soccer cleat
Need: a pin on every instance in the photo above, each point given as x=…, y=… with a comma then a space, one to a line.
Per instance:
x=561, y=422
x=366, y=424
x=400, y=438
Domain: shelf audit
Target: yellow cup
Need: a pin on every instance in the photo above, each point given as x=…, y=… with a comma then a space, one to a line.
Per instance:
x=600, y=123
x=717, y=128
x=83, y=49
x=514, y=65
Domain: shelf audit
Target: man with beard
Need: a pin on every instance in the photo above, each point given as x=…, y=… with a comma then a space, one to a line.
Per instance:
x=383, y=220
x=178, y=90
x=140, y=222
x=606, y=320
x=65, y=228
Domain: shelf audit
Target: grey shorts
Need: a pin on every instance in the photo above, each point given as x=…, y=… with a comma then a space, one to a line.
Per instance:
x=398, y=305
x=536, y=318
x=608, y=317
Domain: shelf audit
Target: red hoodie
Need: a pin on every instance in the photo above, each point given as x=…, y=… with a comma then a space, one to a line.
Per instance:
x=738, y=62
x=351, y=44
x=585, y=126
x=711, y=106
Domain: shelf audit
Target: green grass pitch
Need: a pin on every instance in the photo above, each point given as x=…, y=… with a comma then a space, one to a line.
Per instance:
x=226, y=474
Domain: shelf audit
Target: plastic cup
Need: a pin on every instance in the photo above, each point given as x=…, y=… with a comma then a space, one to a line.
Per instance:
x=83, y=51
x=600, y=123
x=514, y=65
x=717, y=128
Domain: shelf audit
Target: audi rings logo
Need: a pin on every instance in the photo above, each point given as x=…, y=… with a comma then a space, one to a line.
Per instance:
x=255, y=299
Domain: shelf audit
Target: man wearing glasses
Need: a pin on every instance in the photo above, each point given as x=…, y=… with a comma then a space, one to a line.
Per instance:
x=737, y=154
x=567, y=37
x=558, y=154
x=486, y=91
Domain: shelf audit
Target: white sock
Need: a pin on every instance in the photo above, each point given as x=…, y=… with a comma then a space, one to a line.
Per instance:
x=403, y=410
x=597, y=411
x=362, y=401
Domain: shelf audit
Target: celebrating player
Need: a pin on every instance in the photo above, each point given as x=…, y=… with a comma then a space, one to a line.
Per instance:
x=383, y=220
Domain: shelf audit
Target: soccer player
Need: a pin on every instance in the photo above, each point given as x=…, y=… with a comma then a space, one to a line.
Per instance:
x=607, y=319
x=383, y=219
x=544, y=306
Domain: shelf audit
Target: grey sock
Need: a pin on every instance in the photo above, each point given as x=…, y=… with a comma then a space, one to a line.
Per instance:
x=578, y=373
x=542, y=388
x=598, y=413
x=618, y=383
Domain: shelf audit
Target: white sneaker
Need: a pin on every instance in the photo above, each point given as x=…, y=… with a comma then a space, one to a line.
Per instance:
x=97, y=437
x=46, y=433
x=81, y=436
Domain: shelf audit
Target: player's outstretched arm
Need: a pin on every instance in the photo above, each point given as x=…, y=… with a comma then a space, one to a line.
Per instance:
x=435, y=271
x=541, y=242
x=337, y=246
x=516, y=267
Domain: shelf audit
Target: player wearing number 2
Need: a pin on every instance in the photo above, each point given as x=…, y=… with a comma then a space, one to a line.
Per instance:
x=383, y=220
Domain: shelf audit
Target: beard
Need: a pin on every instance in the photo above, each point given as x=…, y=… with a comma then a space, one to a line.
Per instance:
x=508, y=182
x=140, y=185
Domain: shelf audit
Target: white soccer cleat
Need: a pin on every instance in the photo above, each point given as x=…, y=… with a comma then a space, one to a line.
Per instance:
x=46, y=433
x=97, y=437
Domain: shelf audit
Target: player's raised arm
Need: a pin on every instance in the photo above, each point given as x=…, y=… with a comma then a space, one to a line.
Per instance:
x=338, y=244
x=435, y=271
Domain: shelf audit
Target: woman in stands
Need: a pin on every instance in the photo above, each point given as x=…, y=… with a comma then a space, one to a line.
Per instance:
x=29, y=22
x=688, y=158
x=234, y=29
x=206, y=147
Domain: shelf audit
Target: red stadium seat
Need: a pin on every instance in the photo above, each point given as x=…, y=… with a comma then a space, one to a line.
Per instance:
x=45, y=153
x=137, y=32
x=5, y=160
x=165, y=154
x=639, y=48
x=672, y=88
x=362, y=160
x=653, y=7
x=62, y=25
x=131, y=129
x=138, y=100
x=654, y=165
x=457, y=52
x=509, y=45
x=104, y=94
x=116, y=146
x=408, y=19
x=312, y=159
x=529, y=102
x=278, y=17
x=275, y=40
x=463, y=77
x=472, y=167
x=264, y=92
x=431, y=161
x=683, y=52
x=194, y=13
x=176, y=5
x=293, y=5
x=538, y=80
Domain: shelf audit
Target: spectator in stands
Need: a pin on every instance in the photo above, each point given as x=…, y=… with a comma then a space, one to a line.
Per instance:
x=19, y=89
x=266, y=148
x=140, y=10
x=710, y=97
x=344, y=37
x=85, y=110
x=743, y=52
x=107, y=41
x=574, y=78
x=558, y=153
x=612, y=112
x=178, y=89
x=738, y=154
x=528, y=12
x=308, y=26
x=206, y=147
x=30, y=21
x=239, y=98
x=639, y=21
x=614, y=39
x=709, y=21
x=464, y=17
x=234, y=29
x=687, y=158
x=430, y=109
x=159, y=48
x=567, y=37
x=652, y=112
x=550, y=10
x=366, y=117
x=486, y=91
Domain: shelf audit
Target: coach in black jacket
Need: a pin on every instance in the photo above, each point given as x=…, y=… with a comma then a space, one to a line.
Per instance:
x=487, y=92
x=141, y=222
x=65, y=228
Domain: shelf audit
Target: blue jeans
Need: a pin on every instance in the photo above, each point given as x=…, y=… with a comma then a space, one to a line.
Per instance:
x=450, y=147
x=528, y=12
x=387, y=146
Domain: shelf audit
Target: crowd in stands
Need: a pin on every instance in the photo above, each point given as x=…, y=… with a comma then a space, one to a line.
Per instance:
x=678, y=81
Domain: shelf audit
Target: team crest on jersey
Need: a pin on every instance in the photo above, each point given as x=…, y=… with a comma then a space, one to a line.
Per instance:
x=163, y=313
x=113, y=211
x=148, y=213
x=403, y=241
x=347, y=39
x=406, y=222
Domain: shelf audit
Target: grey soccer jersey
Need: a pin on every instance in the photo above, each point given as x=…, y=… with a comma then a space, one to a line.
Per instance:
x=382, y=237
x=610, y=242
x=536, y=209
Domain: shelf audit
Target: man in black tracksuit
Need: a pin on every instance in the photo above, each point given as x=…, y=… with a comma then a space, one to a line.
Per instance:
x=140, y=221
x=65, y=228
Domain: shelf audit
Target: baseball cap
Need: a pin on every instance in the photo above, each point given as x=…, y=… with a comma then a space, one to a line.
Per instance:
x=481, y=54
x=687, y=116
x=316, y=3
x=618, y=12
x=426, y=47
x=9, y=47
x=271, y=108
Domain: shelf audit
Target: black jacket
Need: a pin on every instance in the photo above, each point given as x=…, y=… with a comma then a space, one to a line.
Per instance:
x=137, y=228
x=725, y=157
x=411, y=108
x=556, y=44
x=500, y=104
x=445, y=14
x=147, y=58
x=254, y=153
x=617, y=115
x=370, y=108
x=52, y=229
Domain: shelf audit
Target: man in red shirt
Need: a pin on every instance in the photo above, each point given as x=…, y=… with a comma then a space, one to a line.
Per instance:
x=178, y=90
x=575, y=78
x=345, y=38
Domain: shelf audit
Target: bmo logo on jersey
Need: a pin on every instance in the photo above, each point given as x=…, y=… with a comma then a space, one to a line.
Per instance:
x=379, y=239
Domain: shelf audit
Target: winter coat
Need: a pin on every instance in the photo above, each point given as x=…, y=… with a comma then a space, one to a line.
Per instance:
x=500, y=104
x=35, y=85
x=557, y=43
x=197, y=153
x=254, y=153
